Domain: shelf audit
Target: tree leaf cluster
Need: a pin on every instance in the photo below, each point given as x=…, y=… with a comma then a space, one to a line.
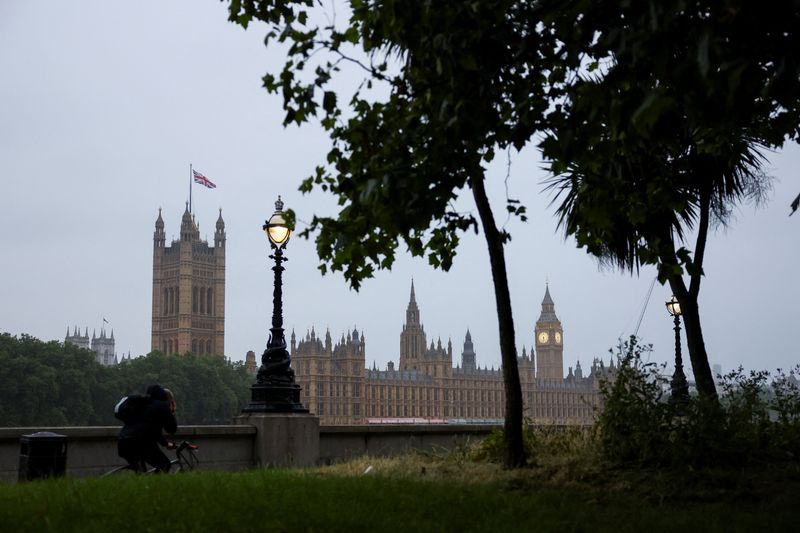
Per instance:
x=673, y=122
x=462, y=80
x=55, y=384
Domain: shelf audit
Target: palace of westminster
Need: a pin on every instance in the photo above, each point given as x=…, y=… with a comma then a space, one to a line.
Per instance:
x=188, y=315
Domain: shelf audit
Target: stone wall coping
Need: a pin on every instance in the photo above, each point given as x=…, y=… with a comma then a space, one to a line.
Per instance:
x=410, y=428
x=111, y=431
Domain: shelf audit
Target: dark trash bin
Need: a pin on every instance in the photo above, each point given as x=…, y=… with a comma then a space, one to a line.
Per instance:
x=42, y=454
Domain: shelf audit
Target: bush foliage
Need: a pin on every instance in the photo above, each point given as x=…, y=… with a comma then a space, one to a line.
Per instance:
x=56, y=384
x=756, y=420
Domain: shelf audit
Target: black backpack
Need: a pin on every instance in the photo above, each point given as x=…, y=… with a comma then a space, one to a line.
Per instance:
x=131, y=407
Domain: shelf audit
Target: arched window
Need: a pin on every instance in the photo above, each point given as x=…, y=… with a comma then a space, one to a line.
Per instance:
x=194, y=346
x=165, y=304
x=208, y=346
x=194, y=299
x=164, y=346
x=170, y=347
x=177, y=308
x=208, y=301
x=202, y=300
x=200, y=350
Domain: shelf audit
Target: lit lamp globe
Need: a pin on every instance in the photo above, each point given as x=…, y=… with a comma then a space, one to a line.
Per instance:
x=674, y=307
x=276, y=228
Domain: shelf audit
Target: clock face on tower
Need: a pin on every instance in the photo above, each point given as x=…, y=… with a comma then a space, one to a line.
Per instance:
x=543, y=337
x=558, y=337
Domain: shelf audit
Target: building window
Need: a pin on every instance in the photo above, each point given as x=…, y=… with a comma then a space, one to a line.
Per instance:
x=194, y=299
x=208, y=346
x=320, y=408
x=194, y=346
x=202, y=301
x=356, y=409
x=208, y=301
x=320, y=389
x=356, y=390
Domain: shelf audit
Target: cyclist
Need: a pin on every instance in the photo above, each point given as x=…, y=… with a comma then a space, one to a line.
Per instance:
x=140, y=436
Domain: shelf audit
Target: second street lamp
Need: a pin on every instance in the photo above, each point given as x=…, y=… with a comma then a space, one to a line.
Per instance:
x=275, y=390
x=679, y=386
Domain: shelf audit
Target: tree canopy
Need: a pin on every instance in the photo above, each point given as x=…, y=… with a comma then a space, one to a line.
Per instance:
x=55, y=384
x=661, y=130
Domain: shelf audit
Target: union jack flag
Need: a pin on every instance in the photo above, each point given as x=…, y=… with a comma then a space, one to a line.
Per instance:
x=202, y=180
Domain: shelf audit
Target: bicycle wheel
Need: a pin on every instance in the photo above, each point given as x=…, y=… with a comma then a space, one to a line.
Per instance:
x=118, y=470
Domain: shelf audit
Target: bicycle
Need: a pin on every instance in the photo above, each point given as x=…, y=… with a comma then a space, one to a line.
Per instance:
x=185, y=461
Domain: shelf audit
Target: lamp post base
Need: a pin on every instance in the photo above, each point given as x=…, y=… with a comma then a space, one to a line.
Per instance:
x=272, y=398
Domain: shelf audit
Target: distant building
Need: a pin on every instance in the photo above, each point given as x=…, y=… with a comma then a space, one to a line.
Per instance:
x=102, y=346
x=250, y=362
x=427, y=388
x=189, y=290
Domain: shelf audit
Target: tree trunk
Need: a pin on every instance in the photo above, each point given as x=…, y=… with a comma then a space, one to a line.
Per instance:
x=694, y=338
x=688, y=298
x=515, y=450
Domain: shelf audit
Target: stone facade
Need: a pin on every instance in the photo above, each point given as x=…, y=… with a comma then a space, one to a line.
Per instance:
x=427, y=388
x=189, y=290
x=103, y=346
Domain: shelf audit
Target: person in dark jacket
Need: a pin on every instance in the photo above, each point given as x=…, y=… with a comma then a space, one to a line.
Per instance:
x=140, y=436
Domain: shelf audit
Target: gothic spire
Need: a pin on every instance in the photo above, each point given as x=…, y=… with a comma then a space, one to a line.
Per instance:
x=547, y=299
x=412, y=312
x=548, y=307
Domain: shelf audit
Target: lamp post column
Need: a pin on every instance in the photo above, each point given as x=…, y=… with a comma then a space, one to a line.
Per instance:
x=275, y=390
x=679, y=392
x=276, y=336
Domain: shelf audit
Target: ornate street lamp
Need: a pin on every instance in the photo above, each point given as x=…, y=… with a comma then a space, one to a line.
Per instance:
x=679, y=386
x=275, y=390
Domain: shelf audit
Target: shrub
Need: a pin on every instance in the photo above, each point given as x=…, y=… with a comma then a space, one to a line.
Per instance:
x=753, y=421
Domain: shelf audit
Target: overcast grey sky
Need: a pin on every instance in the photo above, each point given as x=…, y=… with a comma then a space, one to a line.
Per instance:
x=103, y=106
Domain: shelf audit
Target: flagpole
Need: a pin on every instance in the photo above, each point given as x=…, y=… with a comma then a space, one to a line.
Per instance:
x=190, y=187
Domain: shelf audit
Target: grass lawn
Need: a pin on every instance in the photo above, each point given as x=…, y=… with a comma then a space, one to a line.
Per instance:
x=414, y=493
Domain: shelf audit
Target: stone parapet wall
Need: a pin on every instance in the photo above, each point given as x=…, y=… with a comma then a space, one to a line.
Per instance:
x=340, y=443
x=92, y=451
